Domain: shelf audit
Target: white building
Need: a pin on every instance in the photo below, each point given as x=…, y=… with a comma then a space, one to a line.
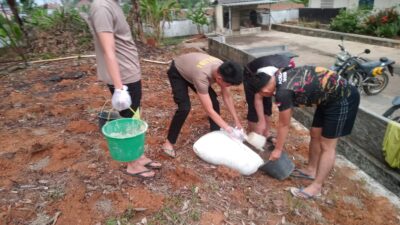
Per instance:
x=353, y=4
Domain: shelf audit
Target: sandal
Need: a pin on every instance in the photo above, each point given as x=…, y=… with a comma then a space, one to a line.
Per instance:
x=169, y=152
x=153, y=165
x=300, y=193
x=300, y=174
x=140, y=174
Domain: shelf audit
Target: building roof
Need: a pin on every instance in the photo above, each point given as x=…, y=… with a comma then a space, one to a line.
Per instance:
x=244, y=2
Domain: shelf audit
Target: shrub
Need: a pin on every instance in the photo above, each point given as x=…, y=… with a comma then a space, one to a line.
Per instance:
x=347, y=21
x=385, y=23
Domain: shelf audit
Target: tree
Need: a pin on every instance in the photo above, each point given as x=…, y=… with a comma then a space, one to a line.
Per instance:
x=11, y=34
x=14, y=9
x=304, y=2
x=155, y=12
x=134, y=15
x=198, y=16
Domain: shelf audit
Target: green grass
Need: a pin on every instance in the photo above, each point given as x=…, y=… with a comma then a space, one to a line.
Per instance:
x=172, y=41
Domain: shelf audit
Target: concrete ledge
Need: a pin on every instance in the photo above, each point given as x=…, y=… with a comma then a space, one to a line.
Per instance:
x=336, y=35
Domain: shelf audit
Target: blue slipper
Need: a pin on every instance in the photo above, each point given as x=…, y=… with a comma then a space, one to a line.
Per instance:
x=300, y=193
x=299, y=174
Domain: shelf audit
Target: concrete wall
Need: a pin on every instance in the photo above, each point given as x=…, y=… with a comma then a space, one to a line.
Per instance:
x=284, y=15
x=336, y=3
x=336, y=35
x=345, y=3
x=363, y=146
x=179, y=28
x=353, y=4
x=382, y=4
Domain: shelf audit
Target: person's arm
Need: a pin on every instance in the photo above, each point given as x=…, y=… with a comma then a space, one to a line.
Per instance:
x=282, y=130
x=259, y=107
x=228, y=100
x=107, y=43
x=207, y=105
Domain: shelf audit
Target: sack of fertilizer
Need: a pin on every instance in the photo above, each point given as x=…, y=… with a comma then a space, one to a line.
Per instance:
x=219, y=149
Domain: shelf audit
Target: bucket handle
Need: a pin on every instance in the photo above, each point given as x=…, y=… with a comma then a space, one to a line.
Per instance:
x=109, y=112
x=136, y=114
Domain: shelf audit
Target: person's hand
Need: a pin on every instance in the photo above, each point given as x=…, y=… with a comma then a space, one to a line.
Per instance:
x=239, y=133
x=238, y=125
x=275, y=154
x=121, y=99
x=260, y=127
x=234, y=133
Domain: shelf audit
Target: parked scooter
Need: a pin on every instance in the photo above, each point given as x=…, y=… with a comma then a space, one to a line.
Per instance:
x=390, y=112
x=368, y=76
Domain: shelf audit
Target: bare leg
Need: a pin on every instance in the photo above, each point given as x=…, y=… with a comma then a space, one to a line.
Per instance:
x=325, y=164
x=314, y=151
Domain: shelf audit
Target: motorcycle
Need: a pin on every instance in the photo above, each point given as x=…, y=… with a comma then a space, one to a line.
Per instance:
x=368, y=76
x=389, y=113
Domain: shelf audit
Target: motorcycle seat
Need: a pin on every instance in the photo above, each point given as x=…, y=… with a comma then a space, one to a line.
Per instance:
x=368, y=66
x=396, y=101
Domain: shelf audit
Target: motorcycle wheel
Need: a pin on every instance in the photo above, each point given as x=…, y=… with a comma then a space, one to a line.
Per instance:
x=355, y=79
x=379, y=84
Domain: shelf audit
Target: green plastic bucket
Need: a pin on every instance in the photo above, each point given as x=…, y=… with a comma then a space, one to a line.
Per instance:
x=125, y=138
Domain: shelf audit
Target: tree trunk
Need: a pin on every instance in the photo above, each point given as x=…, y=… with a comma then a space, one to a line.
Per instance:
x=135, y=20
x=13, y=6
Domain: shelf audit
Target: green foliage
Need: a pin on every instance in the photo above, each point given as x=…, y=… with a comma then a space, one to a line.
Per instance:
x=11, y=35
x=347, y=21
x=304, y=2
x=27, y=4
x=188, y=4
x=126, y=8
x=172, y=41
x=61, y=19
x=385, y=23
x=198, y=16
x=155, y=12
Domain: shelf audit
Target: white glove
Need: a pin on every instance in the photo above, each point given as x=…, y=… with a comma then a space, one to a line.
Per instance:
x=235, y=133
x=121, y=99
x=239, y=134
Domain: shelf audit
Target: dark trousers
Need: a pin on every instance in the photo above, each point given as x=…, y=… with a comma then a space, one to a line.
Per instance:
x=135, y=91
x=180, y=92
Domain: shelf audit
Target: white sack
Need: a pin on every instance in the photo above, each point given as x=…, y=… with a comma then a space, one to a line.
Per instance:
x=219, y=149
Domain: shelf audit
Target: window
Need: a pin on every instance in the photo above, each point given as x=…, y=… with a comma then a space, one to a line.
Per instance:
x=366, y=4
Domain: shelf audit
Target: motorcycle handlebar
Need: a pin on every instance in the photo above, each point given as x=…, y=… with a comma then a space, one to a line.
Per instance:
x=341, y=47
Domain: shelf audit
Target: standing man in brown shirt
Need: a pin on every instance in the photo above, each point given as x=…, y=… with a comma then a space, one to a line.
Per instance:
x=118, y=66
x=199, y=71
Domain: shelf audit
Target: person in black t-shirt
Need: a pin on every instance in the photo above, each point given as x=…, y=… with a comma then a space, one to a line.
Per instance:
x=336, y=104
x=259, y=108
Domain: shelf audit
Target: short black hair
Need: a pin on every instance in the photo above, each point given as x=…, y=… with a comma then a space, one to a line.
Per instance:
x=258, y=81
x=231, y=72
